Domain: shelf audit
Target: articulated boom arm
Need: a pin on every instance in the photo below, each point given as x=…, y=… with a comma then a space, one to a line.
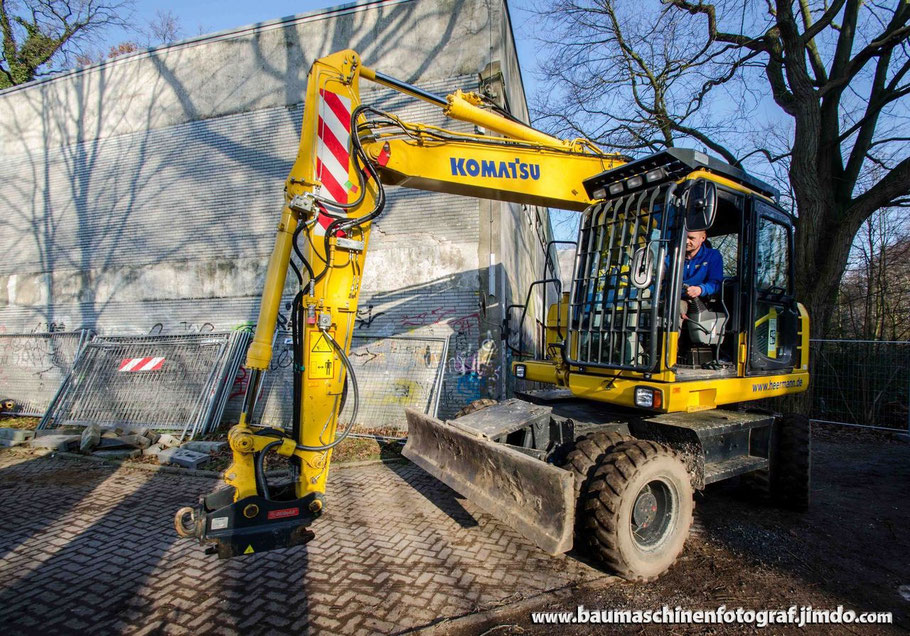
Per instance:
x=334, y=191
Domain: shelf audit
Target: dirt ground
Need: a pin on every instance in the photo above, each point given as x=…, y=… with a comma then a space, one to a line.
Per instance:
x=852, y=549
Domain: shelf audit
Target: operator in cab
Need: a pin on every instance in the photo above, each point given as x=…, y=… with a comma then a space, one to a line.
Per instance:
x=703, y=271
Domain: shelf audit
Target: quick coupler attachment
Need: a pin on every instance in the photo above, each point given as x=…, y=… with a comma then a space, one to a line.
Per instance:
x=253, y=524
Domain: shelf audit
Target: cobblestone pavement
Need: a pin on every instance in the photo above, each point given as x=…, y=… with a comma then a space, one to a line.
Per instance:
x=86, y=546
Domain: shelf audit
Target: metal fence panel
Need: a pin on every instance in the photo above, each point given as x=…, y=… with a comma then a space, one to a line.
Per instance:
x=860, y=382
x=392, y=373
x=163, y=382
x=33, y=367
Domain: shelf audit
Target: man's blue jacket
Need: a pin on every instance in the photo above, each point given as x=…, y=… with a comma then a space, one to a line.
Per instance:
x=705, y=270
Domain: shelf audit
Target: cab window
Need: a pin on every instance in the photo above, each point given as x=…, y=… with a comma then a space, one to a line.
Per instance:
x=772, y=263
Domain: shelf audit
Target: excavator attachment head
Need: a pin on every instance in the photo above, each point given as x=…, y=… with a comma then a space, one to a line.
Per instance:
x=533, y=497
x=251, y=525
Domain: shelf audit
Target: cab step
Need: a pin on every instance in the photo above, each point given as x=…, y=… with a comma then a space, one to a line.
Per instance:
x=718, y=471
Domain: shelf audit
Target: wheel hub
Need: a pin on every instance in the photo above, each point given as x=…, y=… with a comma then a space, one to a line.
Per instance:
x=652, y=514
x=645, y=509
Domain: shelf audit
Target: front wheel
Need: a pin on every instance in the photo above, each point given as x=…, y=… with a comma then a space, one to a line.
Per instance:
x=637, y=509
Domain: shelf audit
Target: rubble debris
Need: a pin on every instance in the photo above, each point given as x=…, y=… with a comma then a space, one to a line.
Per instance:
x=205, y=447
x=14, y=436
x=56, y=442
x=136, y=440
x=154, y=450
x=118, y=453
x=113, y=443
x=91, y=436
x=167, y=440
x=183, y=457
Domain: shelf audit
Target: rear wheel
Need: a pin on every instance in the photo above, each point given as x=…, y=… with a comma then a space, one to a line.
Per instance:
x=791, y=470
x=636, y=509
x=787, y=480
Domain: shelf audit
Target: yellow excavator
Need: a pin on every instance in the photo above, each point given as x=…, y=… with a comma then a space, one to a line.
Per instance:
x=607, y=457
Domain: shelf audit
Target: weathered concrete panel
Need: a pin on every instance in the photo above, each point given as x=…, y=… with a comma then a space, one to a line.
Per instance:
x=142, y=194
x=249, y=69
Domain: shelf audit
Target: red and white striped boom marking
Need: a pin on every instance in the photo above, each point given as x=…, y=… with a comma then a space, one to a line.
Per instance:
x=333, y=158
x=141, y=364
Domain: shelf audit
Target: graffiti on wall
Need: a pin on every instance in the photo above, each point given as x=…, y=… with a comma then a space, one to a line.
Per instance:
x=183, y=327
x=474, y=371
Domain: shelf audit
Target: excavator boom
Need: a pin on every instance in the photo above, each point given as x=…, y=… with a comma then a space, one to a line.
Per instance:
x=347, y=152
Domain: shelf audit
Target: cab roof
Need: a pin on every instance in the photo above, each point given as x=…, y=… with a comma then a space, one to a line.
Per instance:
x=677, y=163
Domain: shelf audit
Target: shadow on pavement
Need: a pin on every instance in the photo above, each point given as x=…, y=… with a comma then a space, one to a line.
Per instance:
x=83, y=562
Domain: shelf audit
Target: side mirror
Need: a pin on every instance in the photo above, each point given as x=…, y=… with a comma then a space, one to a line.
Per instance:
x=701, y=205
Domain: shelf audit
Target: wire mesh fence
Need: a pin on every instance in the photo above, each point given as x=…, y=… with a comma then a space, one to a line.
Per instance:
x=176, y=383
x=33, y=367
x=860, y=382
x=392, y=373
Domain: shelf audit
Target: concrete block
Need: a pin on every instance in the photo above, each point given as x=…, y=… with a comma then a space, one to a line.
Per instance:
x=137, y=441
x=8, y=443
x=49, y=431
x=183, y=457
x=91, y=436
x=205, y=447
x=56, y=442
x=119, y=453
x=153, y=437
x=154, y=449
x=16, y=434
x=168, y=441
x=113, y=443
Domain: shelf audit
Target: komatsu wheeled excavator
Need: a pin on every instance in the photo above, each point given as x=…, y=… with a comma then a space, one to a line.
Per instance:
x=647, y=401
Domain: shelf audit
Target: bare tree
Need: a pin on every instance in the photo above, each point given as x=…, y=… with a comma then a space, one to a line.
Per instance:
x=814, y=91
x=164, y=28
x=38, y=33
x=635, y=78
x=874, y=298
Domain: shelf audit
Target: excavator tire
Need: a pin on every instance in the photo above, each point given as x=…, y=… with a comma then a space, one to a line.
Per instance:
x=476, y=405
x=638, y=509
x=587, y=450
x=787, y=482
x=791, y=470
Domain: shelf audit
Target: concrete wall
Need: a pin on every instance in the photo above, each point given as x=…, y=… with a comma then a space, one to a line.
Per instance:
x=141, y=194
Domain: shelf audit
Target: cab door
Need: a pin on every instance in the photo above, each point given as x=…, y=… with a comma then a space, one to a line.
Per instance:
x=773, y=318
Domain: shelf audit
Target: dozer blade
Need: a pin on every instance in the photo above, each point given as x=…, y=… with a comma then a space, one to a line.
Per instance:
x=534, y=497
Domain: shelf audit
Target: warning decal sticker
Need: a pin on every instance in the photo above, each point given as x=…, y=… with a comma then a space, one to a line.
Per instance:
x=321, y=354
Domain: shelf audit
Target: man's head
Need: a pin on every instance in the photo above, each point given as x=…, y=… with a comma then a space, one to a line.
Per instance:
x=694, y=241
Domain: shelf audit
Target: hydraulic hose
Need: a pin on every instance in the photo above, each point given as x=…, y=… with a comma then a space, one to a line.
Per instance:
x=261, y=484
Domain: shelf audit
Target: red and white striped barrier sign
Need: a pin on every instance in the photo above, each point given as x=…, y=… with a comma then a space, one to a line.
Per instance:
x=141, y=364
x=333, y=158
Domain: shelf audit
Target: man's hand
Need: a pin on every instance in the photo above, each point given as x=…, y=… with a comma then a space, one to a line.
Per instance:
x=693, y=291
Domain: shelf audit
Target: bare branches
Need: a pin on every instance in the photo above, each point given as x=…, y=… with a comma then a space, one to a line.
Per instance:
x=894, y=185
x=37, y=32
x=633, y=79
